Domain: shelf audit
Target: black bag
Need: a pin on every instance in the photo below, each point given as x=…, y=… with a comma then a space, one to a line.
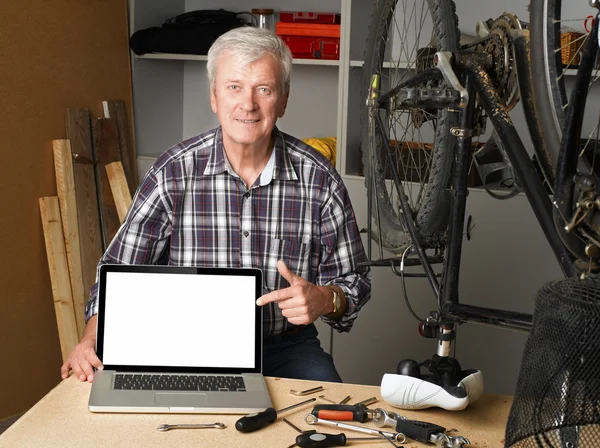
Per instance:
x=190, y=33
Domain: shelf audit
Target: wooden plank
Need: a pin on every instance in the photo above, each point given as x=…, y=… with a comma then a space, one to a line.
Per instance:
x=106, y=148
x=90, y=239
x=115, y=109
x=59, y=275
x=118, y=185
x=65, y=185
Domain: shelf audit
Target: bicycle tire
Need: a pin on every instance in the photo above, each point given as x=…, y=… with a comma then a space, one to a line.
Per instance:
x=549, y=87
x=431, y=214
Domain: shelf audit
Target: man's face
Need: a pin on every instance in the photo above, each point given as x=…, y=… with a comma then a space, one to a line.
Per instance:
x=247, y=100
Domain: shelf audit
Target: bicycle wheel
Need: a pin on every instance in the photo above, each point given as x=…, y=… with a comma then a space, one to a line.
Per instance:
x=551, y=67
x=402, y=40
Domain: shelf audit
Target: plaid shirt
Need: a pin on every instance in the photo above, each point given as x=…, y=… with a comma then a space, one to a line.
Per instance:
x=192, y=209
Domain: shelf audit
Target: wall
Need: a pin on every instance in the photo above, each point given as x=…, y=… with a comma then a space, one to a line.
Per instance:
x=55, y=54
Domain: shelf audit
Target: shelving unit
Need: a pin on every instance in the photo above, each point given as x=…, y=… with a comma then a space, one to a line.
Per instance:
x=171, y=97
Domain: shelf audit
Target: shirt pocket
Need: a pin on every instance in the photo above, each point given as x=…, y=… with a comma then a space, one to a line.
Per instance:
x=296, y=256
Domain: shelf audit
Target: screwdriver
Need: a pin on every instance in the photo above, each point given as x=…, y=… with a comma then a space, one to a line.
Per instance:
x=320, y=440
x=258, y=420
x=344, y=412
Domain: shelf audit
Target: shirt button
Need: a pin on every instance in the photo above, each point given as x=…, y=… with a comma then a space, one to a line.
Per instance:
x=246, y=233
x=247, y=195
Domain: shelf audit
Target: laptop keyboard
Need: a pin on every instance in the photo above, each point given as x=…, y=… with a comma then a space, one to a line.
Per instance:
x=125, y=381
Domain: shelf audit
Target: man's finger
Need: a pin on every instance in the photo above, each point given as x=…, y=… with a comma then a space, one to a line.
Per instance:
x=87, y=368
x=64, y=369
x=93, y=359
x=286, y=273
x=273, y=296
x=77, y=370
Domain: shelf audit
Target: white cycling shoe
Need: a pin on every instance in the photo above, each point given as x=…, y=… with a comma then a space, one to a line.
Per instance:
x=407, y=392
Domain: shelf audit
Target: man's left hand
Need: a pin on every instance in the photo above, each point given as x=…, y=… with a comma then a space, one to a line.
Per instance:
x=302, y=302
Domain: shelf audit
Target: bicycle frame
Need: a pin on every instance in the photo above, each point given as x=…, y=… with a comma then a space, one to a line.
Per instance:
x=471, y=68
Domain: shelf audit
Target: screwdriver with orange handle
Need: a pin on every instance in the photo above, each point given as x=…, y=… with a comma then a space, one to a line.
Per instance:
x=343, y=412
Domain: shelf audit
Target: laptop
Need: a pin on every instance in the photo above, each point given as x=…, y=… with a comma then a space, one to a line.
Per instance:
x=176, y=339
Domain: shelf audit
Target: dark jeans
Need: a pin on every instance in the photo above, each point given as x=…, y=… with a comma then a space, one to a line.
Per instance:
x=299, y=356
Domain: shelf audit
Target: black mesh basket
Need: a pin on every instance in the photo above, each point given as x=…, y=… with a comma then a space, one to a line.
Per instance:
x=557, y=401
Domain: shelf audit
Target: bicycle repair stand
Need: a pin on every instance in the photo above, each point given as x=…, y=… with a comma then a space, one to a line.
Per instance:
x=447, y=386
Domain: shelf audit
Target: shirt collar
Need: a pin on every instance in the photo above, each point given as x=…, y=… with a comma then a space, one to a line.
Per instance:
x=279, y=165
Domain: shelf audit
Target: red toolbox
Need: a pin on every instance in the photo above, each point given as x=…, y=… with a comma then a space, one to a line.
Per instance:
x=313, y=47
x=309, y=17
x=307, y=29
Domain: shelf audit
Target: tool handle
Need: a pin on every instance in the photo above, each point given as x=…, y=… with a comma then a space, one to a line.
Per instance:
x=253, y=422
x=417, y=430
x=341, y=412
x=319, y=440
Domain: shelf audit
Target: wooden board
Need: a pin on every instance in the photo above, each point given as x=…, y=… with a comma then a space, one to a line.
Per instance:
x=65, y=185
x=80, y=134
x=118, y=185
x=115, y=109
x=106, y=148
x=59, y=275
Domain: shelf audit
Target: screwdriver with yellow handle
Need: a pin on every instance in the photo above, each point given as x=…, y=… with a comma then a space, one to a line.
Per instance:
x=258, y=420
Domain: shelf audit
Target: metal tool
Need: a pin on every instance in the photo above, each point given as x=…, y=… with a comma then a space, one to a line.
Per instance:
x=166, y=427
x=322, y=397
x=292, y=425
x=307, y=391
x=382, y=418
x=345, y=400
x=368, y=401
x=258, y=420
x=396, y=436
x=422, y=431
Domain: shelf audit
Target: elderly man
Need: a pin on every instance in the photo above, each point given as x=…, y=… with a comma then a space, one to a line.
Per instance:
x=248, y=195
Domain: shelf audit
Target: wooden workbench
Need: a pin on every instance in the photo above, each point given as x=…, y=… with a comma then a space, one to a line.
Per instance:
x=61, y=419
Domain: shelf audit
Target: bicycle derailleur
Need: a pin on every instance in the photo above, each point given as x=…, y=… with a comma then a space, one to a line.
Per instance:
x=586, y=215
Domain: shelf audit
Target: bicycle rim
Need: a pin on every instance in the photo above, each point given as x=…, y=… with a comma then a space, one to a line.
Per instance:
x=551, y=82
x=403, y=36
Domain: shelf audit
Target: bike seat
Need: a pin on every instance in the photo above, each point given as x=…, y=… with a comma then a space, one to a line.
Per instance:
x=407, y=392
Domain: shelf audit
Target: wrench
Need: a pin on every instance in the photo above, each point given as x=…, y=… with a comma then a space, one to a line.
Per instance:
x=421, y=431
x=396, y=436
x=166, y=427
x=446, y=441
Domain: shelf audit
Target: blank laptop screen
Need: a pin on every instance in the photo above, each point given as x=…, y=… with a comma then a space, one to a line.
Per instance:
x=179, y=320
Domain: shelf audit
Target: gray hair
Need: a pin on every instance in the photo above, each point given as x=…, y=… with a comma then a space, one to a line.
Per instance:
x=249, y=44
